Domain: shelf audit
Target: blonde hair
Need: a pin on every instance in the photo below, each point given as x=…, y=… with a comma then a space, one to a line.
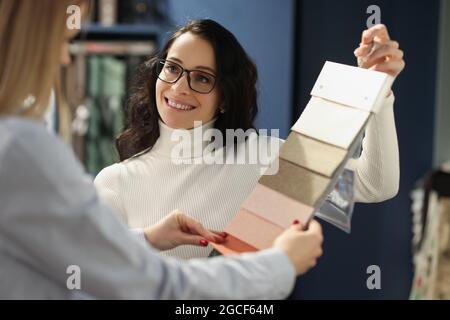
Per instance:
x=31, y=36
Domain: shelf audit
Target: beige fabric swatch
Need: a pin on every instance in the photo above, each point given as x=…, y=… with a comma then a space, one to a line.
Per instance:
x=312, y=154
x=331, y=122
x=298, y=183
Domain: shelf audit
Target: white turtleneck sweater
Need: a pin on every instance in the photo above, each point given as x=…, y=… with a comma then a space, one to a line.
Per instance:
x=147, y=187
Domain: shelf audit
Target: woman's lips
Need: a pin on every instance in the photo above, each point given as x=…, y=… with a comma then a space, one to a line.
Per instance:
x=178, y=106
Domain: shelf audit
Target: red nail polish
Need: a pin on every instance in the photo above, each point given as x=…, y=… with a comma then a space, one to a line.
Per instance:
x=203, y=243
x=225, y=234
x=296, y=222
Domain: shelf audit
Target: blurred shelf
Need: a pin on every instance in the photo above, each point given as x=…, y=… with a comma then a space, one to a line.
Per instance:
x=130, y=48
x=124, y=29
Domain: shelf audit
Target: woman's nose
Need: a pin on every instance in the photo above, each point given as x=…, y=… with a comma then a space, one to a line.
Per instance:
x=182, y=85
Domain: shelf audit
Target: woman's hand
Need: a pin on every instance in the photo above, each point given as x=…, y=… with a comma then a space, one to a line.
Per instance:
x=303, y=247
x=378, y=52
x=177, y=229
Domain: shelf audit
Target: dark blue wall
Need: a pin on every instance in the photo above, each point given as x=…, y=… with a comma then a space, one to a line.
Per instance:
x=330, y=30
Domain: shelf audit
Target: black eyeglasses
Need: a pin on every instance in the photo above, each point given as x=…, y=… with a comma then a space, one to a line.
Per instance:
x=199, y=81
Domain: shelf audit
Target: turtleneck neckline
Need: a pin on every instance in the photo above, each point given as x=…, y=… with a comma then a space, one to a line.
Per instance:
x=182, y=143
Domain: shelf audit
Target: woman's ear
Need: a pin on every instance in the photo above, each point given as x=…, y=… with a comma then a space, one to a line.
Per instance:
x=222, y=108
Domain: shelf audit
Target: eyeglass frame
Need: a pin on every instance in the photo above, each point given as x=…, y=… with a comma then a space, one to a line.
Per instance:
x=188, y=74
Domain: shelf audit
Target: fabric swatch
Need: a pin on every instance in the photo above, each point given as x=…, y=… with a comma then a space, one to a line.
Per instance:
x=251, y=229
x=352, y=86
x=276, y=207
x=331, y=122
x=312, y=154
x=233, y=246
x=298, y=183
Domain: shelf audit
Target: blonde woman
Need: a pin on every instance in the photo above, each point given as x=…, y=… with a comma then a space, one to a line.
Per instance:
x=52, y=221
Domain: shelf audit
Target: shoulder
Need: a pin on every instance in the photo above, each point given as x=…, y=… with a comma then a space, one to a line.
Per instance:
x=40, y=163
x=114, y=175
x=272, y=140
x=265, y=144
x=109, y=176
x=259, y=150
x=24, y=131
x=28, y=143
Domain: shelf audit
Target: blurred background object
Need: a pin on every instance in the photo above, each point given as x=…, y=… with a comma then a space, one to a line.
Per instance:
x=117, y=38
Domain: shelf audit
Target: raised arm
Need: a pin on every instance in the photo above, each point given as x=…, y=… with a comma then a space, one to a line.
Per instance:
x=378, y=170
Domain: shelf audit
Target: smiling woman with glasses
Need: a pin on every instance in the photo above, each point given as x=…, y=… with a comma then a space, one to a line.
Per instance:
x=203, y=75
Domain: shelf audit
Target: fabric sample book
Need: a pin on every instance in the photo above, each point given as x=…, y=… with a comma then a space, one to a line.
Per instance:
x=310, y=162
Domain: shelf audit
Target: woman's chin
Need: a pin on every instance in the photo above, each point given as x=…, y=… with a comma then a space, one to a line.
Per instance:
x=176, y=123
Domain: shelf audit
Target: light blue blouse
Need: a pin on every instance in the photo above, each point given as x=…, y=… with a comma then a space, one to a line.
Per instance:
x=51, y=218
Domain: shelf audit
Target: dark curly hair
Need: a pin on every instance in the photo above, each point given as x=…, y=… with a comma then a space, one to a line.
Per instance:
x=236, y=80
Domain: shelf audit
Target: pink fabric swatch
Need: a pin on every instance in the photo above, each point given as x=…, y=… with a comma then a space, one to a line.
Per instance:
x=276, y=207
x=253, y=230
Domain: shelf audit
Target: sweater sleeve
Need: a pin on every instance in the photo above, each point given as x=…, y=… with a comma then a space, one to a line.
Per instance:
x=107, y=183
x=377, y=170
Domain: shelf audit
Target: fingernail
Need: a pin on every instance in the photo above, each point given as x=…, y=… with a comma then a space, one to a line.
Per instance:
x=224, y=234
x=357, y=52
x=203, y=242
x=296, y=222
